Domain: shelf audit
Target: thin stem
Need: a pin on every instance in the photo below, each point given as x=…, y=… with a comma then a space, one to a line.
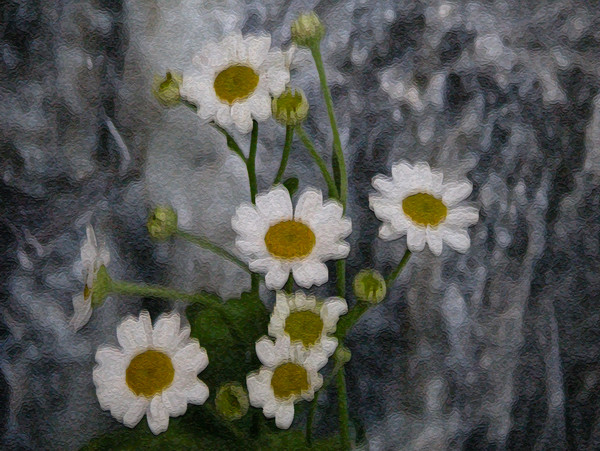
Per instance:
x=156, y=291
x=289, y=286
x=392, y=277
x=313, y=405
x=204, y=243
x=251, y=166
x=343, y=409
x=251, y=163
x=231, y=142
x=289, y=137
x=337, y=145
x=333, y=192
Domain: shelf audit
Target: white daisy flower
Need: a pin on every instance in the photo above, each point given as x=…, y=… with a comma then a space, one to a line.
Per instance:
x=417, y=203
x=277, y=240
x=153, y=373
x=234, y=80
x=93, y=256
x=307, y=322
x=289, y=374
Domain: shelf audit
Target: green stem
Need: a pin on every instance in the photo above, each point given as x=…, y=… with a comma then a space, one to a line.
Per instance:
x=230, y=142
x=343, y=409
x=322, y=166
x=289, y=286
x=392, y=277
x=337, y=145
x=204, y=243
x=289, y=137
x=156, y=291
x=251, y=166
x=313, y=405
x=348, y=321
x=251, y=163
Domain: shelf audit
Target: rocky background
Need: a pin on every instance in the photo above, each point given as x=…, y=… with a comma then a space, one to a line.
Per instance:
x=495, y=349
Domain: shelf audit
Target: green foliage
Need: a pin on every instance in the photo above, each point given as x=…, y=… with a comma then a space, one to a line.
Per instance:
x=294, y=440
x=229, y=336
x=291, y=184
x=176, y=437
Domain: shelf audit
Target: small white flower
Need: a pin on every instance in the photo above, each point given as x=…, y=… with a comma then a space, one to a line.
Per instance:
x=417, y=203
x=289, y=374
x=234, y=80
x=93, y=256
x=307, y=322
x=277, y=240
x=153, y=373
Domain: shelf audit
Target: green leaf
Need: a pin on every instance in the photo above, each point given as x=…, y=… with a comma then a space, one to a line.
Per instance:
x=291, y=184
x=250, y=315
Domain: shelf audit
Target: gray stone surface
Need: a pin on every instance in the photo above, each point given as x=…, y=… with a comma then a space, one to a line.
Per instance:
x=495, y=349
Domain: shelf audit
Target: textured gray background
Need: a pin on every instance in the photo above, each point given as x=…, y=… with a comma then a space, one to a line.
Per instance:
x=496, y=349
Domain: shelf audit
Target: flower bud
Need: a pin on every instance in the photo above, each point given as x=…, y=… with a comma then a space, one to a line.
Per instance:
x=162, y=223
x=100, y=287
x=291, y=107
x=307, y=30
x=369, y=286
x=232, y=401
x=343, y=354
x=166, y=90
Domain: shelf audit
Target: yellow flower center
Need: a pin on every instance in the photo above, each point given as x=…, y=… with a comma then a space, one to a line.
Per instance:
x=86, y=291
x=424, y=209
x=149, y=373
x=290, y=239
x=288, y=380
x=305, y=326
x=235, y=83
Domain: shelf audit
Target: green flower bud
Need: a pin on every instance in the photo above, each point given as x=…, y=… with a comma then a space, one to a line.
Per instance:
x=369, y=286
x=307, y=30
x=232, y=401
x=166, y=90
x=291, y=107
x=100, y=287
x=162, y=223
x=343, y=354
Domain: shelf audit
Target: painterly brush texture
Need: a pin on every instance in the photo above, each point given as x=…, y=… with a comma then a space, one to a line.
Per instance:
x=493, y=349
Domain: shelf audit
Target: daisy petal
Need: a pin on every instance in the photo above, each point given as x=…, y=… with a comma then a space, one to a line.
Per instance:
x=276, y=277
x=266, y=352
x=455, y=192
x=434, y=240
x=457, y=239
x=387, y=233
x=284, y=415
x=240, y=113
x=331, y=311
x=415, y=239
x=310, y=202
x=166, y=331
x=309, y=273
x=135, y=412
x=82, y=312
x=191, y=358
x=260, y=105
x=132, y=334
x=258, y=49
x=174, y=402
x=197, y=393
x=276, y=205
x=462, y=216
x=157, y=415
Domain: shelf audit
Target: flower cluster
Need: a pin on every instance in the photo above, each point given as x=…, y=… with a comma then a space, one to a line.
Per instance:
x=235, y=84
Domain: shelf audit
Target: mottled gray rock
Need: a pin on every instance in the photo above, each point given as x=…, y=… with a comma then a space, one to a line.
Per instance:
x=495, y=349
